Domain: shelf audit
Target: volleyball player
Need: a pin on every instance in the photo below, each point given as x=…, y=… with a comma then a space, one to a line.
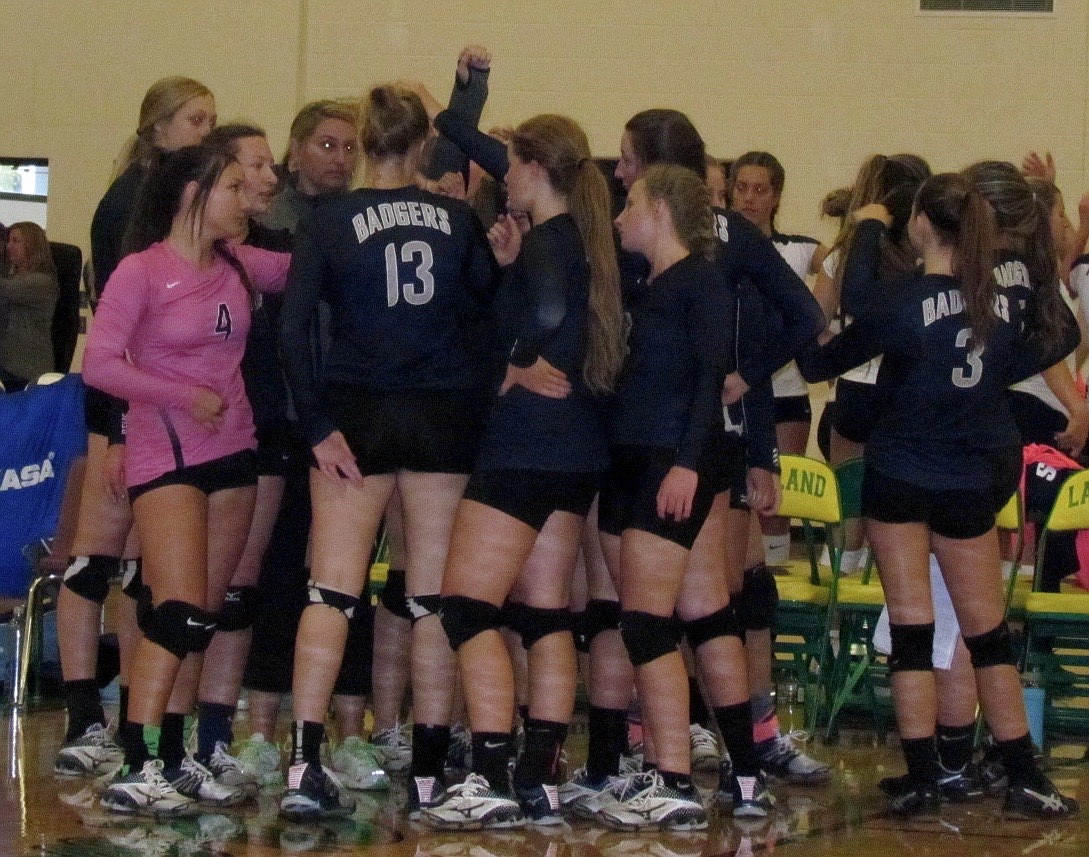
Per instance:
x=942, y=458
x=408, y=276
x=175, y=112
x=169, y=339
x=518, y=527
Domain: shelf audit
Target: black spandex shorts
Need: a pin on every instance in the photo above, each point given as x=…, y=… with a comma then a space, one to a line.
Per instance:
x=793, y=409
x=97, y=407
x=1036, y=420
x=856, y=410
x=629, y=497
x=231, y=471
x=428, y=432
x=959, y=514
x=274, y=449
x=532, y=496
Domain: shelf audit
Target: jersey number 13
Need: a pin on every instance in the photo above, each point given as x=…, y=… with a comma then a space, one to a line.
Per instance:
x=418, y=291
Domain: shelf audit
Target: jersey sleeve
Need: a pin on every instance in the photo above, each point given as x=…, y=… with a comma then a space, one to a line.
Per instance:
x=861, y=271
x=485, y=150
x=267, y=270
x=467, y=102
x=708, y=319
x=881, y=330
x=542, y=264
x=298, y=332
x=783, y=292
x=758, y=427
x=119, y=314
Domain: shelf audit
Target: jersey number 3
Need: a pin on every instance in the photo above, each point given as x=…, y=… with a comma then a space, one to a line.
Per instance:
x=418, y=291
x=968, y=376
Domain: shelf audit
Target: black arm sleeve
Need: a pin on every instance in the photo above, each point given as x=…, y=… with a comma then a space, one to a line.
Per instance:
x=466, y=102
x=542, y=265
x=861, y=271
x=709, y=320
x=298, y=332
x=1033, y=355
x=485, y=150
x=863, y=339
x=758, y=421
x=801, y=318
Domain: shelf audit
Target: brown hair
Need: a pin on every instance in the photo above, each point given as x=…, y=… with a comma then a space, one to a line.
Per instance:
x=689, y=203
x=962, y=219
x=163, y=99
x=560, y=146
x=392, y=121
x=663, y=135
x=776, y=173
x=39, y=256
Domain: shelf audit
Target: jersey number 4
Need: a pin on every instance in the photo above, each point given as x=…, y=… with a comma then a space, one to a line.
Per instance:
x=418, y=291
x=968, y=376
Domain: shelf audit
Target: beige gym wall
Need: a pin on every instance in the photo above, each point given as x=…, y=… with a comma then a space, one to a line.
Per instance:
x=821, y=83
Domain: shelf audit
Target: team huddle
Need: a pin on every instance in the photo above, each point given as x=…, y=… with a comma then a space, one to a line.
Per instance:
x=566, y=429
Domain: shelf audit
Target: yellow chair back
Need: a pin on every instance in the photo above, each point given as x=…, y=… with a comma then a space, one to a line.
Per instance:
x=1071, y=509
x=810, y=490
x=1009, y=518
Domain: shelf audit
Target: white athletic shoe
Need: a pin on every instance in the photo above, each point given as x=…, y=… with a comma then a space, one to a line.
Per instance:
x=393, y=748
x=583, y=797
x=229, y=771
x=195, y=781
x=260, y=757
x=780, y=758
x=474, y=805
x=357, y=764
x=313, y=793
x=705, y=751
x=92, y=754
x=147, y=792
x=652, y=805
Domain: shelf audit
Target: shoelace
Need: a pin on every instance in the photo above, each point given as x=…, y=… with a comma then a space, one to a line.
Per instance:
x=474, y=786
x=653, y=782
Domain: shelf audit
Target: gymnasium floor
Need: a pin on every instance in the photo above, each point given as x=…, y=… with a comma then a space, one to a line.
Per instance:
x=45, y=817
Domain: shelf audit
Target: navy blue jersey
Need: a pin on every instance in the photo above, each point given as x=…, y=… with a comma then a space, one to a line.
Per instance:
x=407, y=275
x=543, y=310
x=670, y=391
x=111, y=220
x=794, y=317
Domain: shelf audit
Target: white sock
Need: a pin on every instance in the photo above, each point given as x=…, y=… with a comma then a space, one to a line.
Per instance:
x=777, y=549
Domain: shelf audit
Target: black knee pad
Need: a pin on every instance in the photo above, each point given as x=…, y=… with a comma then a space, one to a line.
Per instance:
x=341, y=601
x=463, y=618
x=421, y=606
x=758, y=599
x=239, y=608
x=89, y=576
x=991, y=649
x=721, y=623
x=647, y=637
x=601, y=615
x=912, y=648
x=393, y=594
x=180, y=628
x=132, y=577
x=535, y=623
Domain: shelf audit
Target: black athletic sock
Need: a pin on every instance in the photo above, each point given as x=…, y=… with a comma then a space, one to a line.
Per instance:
x=214, y=722
x=955, y=746
x=306, y=738
x=172, y=740
x=131, y=737
x=84, y=707
x=429, y=747
x=608, y=728
x=491, y=752
x=921, y=755
x=735, y=724
x=540, y=760
x=697, y=708
x=1018, y=756
x=122, y=703
x=680, y=782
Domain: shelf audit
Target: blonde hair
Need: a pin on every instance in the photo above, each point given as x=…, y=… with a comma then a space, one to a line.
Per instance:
x=689, y=201
x=38, y=255
x=560, y=146
x=392, y=121
x=311, y=115
x=163, y=99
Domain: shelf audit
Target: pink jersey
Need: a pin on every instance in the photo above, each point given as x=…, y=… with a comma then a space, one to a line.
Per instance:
x=182, y=328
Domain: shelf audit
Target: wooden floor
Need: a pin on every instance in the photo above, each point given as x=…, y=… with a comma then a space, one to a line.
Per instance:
x=49, y=818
